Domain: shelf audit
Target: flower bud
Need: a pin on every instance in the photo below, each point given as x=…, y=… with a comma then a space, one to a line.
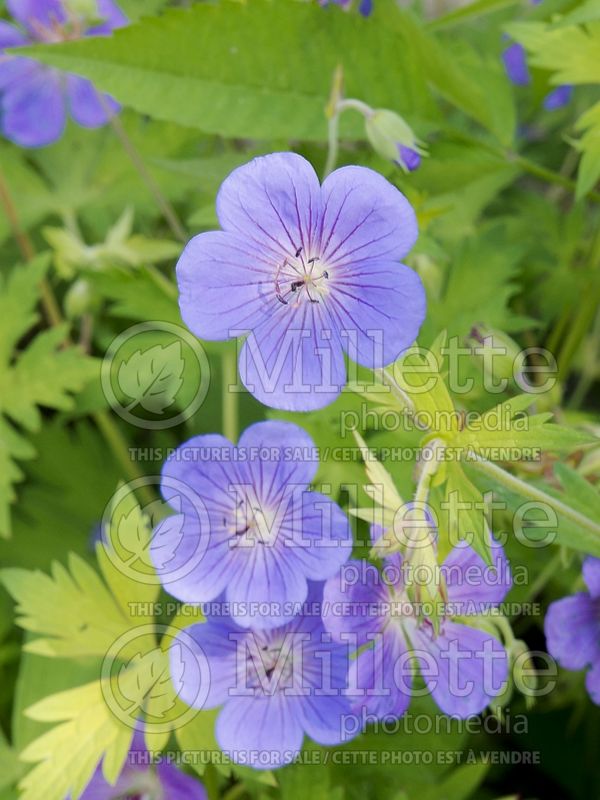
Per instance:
x=80, y=299
x=393, y=139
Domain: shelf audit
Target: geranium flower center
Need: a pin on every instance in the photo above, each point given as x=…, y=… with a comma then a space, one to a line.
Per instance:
x=270, y=668
x=301, y=278
x=251, y=524
x=58, y=31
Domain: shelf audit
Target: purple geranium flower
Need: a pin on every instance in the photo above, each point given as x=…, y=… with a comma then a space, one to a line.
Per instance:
x=35, y=97
x=463, y=667
x=307, y=271
x=260, y=533
x=558, y=98
x=274, y=686
x=572, y=628
x=515, y=64
x=139, y=779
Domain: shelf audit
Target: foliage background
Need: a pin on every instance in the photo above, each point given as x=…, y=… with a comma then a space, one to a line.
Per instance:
x=510, y=238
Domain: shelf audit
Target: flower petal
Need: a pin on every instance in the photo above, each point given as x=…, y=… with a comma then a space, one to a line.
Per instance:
x=274, y=203
x=190, y=550
x=176, y=785
x=34, y=110
x=473, y=586
x=465, y=667
x=88, y=107
x=364, y=217
x=572, y=628
x=351, y=602
x=266, y=591
x=13, y=68
x=225, y=285
x=515, y=64
x=591, y=575
x=326, y=718
x=10, y=36
x=380, y=678
x=32, y=12
x=294, y=361
x=592, y=682
x=558, y=98
x=112, y=16
x=203, y=662
x=278, y=454
x=378, y=308
x=318, y=536
x=261, y=732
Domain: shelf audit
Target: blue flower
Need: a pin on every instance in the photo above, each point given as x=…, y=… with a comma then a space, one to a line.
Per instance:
x=558, y=98
x=35, y=97
x=139, y=778
x=572, y=628
x=462, y=666
x=308, y=272
x=247, y=525
x=515, y=64
x=274, y=686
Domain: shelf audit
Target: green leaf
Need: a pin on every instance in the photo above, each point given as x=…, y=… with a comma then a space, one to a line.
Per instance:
x=467, y=299
x=44, y=374
x=69, y=753
x=465, y=523
x=237, y=70
x=73, y=610
x=572, y=53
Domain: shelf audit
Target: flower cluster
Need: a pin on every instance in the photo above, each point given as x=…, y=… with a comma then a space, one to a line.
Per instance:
x=288, y=649
x=35, y=98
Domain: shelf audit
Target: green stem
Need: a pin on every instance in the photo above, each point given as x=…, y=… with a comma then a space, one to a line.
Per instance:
x=229, y=398
x=334, y=127
x=332, y=144
x=117, y=443
x=515, y=484
x=136, y=159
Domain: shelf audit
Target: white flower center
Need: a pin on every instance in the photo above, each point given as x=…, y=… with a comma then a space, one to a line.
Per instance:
x=301, y=278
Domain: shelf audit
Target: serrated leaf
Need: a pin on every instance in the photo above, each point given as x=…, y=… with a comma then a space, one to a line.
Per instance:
x=73, y=610
x=69, y=753
x=44, y=374
x=548, y=45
